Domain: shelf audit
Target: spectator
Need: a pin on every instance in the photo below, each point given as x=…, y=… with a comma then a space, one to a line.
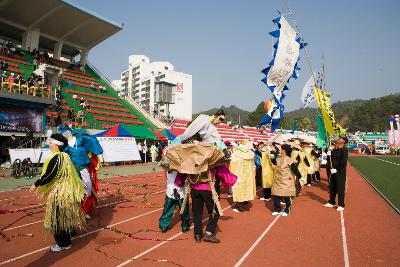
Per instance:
x=71, y=114
x=29, y=138
x=93, y=86
x=58, y=119
x=10, y=81
x=14, y=143
x=104, y=90
x=35, y=64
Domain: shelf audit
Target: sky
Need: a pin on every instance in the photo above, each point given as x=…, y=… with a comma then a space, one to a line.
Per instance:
x=225, y=44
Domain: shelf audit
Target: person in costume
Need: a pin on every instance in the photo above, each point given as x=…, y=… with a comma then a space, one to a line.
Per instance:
x=302, y=163
x=64, y=190
x=284, y=187
x=79, y=146
x=242, y=165
x=315, y=153
x=267, y=172
x=153, y=152
x=337, y=167
x=174, y=197
x=205, y=126
x=307, y=149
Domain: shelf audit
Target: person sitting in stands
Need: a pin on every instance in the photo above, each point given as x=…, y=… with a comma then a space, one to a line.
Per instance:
x=82, y=103
x=71, y=113
x=93, y=86
x=10, y=81
x=104, y=90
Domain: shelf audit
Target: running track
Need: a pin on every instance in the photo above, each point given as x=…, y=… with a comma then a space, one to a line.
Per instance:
x=367, y=233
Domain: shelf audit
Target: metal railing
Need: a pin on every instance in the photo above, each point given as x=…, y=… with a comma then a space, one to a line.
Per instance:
x=42, y=91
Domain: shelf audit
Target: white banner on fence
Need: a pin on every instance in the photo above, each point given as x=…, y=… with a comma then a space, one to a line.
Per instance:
x=32, y=153
x=119, y=149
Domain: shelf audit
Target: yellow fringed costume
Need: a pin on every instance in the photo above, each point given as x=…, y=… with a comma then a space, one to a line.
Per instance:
x=302, y=165
x=242, y=165
x=64, y=194
x=267, y=176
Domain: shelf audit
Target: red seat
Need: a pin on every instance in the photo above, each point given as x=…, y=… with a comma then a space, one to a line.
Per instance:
x=79, y=76
x=89, y=94
x=104, y=102
x=118, y=120
x=16, y=56
x=109, y=108
x=15, y=60
x=74, y=79
x=15, y=70
x=111, y=114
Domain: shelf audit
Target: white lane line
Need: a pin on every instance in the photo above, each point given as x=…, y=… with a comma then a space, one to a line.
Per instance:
x=83, y=235
x=243, y=258
x=345, y=251
x=112, y=203
x=162, y=243
x=385, y=161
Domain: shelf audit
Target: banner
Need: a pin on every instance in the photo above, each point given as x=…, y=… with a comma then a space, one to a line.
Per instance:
x=394, y=138
x=324, y=102
x=321, y=135
x=282, y=67
x=119, y=149
x=32, y=153
x=20, y=119
x=307, y=96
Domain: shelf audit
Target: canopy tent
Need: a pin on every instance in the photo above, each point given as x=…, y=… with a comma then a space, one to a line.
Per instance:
x=160, y=136
x=177, y=131
x=167, y=134
x=116, y=131
x=140, y=131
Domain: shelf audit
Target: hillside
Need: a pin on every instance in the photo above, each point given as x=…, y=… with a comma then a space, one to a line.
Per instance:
x=232, y=112
x=355, y=115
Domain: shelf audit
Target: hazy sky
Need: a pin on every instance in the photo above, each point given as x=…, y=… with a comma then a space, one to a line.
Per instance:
x=225, y=44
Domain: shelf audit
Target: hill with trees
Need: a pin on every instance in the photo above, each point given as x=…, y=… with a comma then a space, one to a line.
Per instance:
x=355, y=115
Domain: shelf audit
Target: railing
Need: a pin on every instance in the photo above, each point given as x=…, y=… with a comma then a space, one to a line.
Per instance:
x=42, y=91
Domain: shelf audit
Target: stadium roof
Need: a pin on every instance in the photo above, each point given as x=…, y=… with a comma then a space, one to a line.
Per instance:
x=78, y=27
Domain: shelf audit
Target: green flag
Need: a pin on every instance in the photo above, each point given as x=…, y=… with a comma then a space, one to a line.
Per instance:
x=321, y=136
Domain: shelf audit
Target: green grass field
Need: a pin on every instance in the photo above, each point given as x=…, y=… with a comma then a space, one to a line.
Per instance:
x=384, y=175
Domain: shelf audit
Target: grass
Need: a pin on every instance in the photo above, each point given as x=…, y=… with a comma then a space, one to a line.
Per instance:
x=383, y=175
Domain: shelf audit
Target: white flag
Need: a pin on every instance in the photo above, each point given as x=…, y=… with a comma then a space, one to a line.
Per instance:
x=286, y=57
x=307, y=96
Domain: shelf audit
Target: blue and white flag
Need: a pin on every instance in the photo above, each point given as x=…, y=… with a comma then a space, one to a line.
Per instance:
x=282, y=67
x=307, y=96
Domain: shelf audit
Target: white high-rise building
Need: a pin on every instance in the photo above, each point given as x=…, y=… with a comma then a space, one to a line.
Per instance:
x=118, y=87
x=158, y=88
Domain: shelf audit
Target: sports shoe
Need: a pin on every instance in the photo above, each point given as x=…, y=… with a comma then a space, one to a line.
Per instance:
x=163, y=230
x=283, y=203
x=328, y=205
x=211, y=239
x=339, y=208
x=87, y=217
x=308, y=185
x=275, y=213
x=184, y=230
x=265, y=199
x=57, y=248
x=229, y=195
x=284, y=214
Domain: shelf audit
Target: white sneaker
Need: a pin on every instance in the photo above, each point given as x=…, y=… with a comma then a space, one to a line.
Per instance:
x=57, y=248
x=265, y=199
x=235, y=210
x=87, y=217
x=229, y=195
x=339, y=208
x=283, y=203
x=275, y=213
x=329, y=205
x=284, y=214
x=309, y=185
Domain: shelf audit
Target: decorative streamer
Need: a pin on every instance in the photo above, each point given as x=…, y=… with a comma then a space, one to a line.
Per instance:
x=282, y=67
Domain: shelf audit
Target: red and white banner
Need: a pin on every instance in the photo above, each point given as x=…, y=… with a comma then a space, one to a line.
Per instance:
x=394, y=138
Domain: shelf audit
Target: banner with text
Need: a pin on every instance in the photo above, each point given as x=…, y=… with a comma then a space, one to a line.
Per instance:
x=119, y=149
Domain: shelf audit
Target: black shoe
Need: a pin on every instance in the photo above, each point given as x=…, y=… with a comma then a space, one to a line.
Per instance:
x=184, y=230
x=246, y=206
x=163, y=230
x=198, y=238
x=211, y=238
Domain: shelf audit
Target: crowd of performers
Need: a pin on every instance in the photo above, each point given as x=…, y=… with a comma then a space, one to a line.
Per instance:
x=69, y=183
x=198, y=164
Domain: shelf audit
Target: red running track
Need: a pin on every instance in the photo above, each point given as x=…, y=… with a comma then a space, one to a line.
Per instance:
x=311, y=236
